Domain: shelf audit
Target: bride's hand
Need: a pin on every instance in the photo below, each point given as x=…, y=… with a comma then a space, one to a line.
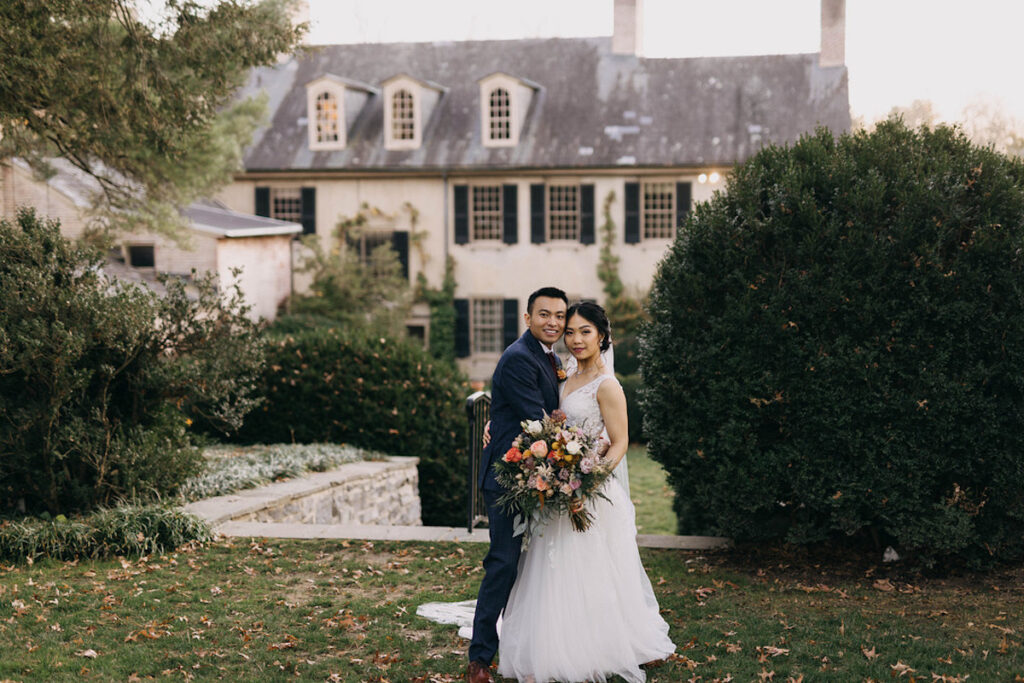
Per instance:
x=603, y=445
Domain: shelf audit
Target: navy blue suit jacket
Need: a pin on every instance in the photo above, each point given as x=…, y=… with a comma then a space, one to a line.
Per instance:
x=524, y=387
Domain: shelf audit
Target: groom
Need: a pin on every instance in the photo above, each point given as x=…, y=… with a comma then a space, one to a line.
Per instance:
x=524, y=387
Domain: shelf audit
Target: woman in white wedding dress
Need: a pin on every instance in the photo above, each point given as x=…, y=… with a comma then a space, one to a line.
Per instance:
x=582, y=608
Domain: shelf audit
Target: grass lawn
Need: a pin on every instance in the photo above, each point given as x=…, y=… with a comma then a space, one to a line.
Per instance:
x=650, y=493
x=345, y=611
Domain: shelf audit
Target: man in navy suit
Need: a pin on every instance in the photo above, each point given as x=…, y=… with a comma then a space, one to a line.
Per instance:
x=524, y=387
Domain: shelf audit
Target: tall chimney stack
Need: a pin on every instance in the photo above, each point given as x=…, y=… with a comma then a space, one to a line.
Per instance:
x=628, y=34
x=833, y=33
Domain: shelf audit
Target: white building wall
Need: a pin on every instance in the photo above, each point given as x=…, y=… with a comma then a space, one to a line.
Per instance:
x=264, y=279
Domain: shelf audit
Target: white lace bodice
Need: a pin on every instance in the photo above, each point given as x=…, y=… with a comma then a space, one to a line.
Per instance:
x=581, y=407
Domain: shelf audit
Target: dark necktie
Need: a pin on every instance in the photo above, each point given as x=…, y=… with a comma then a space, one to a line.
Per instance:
x=554, y=363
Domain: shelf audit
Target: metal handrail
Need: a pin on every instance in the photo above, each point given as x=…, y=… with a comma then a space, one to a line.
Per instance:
x=478, y=410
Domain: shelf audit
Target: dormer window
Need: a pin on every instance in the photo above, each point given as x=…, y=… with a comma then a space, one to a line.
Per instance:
x=332, y=104
x=408, y=106
x=504, y=101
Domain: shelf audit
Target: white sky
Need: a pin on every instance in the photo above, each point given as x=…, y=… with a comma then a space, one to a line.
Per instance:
x=948, y=51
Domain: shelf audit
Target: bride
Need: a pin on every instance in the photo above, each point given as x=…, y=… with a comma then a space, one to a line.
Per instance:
x=582, y=607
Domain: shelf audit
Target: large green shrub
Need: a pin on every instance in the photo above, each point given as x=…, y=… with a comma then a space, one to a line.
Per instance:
x=96, y=375
x=375, y=393
x=837, y=347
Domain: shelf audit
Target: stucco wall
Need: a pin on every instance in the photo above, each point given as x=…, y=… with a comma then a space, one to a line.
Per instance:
x=487, y=269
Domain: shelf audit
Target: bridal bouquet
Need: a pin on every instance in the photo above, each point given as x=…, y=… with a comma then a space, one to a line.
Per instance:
x=552, y=467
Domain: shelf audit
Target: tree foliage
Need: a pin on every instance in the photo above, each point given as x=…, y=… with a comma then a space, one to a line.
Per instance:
x=837, y=347
x=99, y=379
x=143, y=108
x=360, y=294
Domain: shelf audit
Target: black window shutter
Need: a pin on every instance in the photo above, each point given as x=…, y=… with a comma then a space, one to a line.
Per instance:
x=511, y=324
x=537, y=213
x=683, y=198
x=400, y=243
x=461, y=328
x=586, y=214
x=632, y=231
x=263, y=201
x=461, y=214
x=510, y=213
x=309, y=210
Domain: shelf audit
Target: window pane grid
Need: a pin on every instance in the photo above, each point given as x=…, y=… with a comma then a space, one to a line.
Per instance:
x=563, y=212
x=486, y=213
x=486, y=316
x=501, y=114
x=403, y=124
x=659, y=210
x=286, y=204
x=326, y=117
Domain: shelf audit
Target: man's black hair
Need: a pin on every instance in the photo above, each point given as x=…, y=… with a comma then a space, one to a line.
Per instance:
x=550, y=292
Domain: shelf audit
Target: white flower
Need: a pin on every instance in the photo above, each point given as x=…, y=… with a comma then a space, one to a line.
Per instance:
x=573, y=447
x=534, y=427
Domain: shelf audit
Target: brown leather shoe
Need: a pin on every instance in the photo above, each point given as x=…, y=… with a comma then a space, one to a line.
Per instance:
x=478, y=672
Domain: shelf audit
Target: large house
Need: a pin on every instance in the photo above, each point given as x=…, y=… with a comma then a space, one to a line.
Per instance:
x=508, y=151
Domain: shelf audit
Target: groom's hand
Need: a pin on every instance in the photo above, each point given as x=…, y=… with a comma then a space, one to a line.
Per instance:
x=487, y=433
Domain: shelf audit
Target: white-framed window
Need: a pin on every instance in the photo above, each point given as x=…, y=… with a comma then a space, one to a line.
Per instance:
x=485, y=212
x=325, y=112
x=486, y=325
x=658, y=209
x=403, y=112
x=563, y=212
x=503, y=101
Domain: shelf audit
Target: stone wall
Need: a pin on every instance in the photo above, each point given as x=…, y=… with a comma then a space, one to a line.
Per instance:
x=371, y=492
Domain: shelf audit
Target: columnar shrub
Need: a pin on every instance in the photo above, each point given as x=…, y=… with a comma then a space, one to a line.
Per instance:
x=837, y=347
x=376, y=393
x=98, y=377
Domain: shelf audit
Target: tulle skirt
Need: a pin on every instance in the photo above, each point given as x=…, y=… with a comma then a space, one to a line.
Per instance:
x=582, y=608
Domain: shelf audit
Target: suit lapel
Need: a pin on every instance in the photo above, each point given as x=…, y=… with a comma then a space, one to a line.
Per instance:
x=542, y=357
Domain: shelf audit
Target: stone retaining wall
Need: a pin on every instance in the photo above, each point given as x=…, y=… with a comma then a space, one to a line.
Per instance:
x=371, y=492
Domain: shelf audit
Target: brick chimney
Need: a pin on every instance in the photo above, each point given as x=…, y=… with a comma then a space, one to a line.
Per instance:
x=628, y=34
x=833, y=33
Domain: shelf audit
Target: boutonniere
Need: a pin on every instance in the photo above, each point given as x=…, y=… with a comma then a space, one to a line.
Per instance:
x=560, y=373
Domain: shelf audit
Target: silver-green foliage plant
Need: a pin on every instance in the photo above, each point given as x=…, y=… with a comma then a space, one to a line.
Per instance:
x=101, y=379
x=226, y=470
x=836, y=348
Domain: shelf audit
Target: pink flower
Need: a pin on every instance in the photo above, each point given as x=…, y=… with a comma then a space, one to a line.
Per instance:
x=540, y=484
x=539, y=448
x=587, y=465
x=575, y=484
x=565, y=489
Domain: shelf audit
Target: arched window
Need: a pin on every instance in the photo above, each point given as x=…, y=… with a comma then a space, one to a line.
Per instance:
x=403, y=115
x=500, y=109
x=326, y=117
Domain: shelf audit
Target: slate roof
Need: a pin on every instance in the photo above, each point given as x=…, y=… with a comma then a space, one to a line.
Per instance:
x=593, y=110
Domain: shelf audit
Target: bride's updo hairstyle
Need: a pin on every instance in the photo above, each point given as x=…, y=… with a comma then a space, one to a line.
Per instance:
x=595, y=315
